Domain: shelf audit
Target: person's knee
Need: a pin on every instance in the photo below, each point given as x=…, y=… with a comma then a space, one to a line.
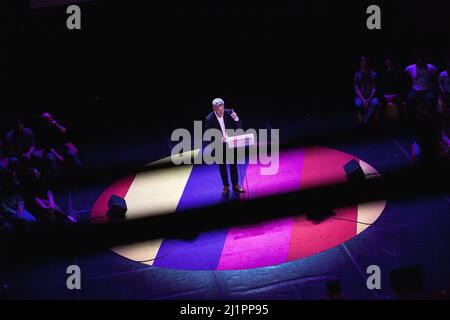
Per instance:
x=374, y=103
x=73, y=157
x=36, y=158
x=36, y=155
x=49, y=157
x=359, y=105
x=358, y=102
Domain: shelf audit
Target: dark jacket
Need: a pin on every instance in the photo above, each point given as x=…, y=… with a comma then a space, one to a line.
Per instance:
x=211, y=121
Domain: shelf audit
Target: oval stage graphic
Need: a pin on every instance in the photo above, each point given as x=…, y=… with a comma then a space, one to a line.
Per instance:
x=262, y=245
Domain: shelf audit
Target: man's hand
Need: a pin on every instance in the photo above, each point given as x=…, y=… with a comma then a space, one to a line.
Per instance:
x=234, y=115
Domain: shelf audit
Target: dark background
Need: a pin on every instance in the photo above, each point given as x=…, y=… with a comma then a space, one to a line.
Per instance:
x=140, y=67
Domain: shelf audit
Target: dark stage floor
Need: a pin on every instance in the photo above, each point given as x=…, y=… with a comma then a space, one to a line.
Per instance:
x=406, y=233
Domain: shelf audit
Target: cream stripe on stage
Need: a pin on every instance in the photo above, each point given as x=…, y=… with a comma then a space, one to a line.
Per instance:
x=368, y=212
x=153, y=193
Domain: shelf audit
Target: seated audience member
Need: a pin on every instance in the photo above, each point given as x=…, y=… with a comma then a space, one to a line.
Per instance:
x=444, y=86
x=41, y=202
x=365, y=88
x=57, y=149
x=21, y=146
x=422, y=95
x=391, y=85
x=12, y=204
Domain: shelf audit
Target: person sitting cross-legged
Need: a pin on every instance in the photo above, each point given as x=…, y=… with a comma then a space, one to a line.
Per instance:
x=422, y=97
x=21, y=146
x=392, y=85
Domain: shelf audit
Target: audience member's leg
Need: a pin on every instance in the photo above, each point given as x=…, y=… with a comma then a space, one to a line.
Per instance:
x=411, y=104
x=24, y=220
x=36, y=160
x=63, y=217
x=360, y=109
x=51, y=164
x=13, y=163
x=447, y=102
x=430, y=99
x=371, y=110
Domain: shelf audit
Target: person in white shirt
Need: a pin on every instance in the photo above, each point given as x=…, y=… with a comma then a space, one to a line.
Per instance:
x=423, y=87
x=223, y=119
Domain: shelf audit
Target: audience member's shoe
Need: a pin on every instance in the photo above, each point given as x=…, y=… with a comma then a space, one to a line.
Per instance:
x=225, y=191
x=238, y=189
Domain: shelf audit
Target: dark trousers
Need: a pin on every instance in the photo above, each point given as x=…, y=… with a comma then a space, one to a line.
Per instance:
x=17, y=162
x=420, y=101
x=233, y=167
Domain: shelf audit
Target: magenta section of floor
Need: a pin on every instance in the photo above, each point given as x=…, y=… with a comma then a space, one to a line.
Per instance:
x=267, y=243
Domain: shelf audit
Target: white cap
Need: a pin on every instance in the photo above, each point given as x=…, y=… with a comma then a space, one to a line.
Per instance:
x=218, y=102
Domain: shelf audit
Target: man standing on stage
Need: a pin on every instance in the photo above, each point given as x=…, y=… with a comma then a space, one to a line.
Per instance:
x=223, y=119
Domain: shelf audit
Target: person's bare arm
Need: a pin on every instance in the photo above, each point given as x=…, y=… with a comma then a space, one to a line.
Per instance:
x=358, y=91
x=62, y=129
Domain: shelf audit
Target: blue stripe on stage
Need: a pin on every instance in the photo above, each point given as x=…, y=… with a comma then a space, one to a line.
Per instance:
x=203, y=188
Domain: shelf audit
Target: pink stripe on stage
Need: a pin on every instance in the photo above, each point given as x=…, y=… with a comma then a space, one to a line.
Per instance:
x=119, y=188
x=309, y=237
x=267, y=243
x=322, y=166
